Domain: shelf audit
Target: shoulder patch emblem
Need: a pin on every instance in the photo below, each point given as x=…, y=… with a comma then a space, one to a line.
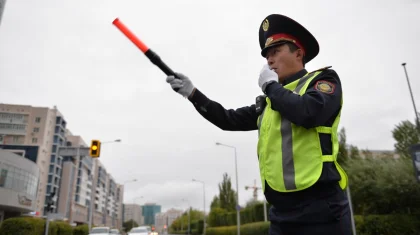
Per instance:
x=325, y=87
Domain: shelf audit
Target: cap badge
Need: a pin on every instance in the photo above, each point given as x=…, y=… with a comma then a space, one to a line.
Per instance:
x=269, y=40
x=265, y=25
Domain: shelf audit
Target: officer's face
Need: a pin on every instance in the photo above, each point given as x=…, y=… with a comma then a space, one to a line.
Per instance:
x=284, y=62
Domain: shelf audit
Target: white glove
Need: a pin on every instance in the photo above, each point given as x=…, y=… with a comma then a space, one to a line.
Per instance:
x=267, y=75
x=183, y=83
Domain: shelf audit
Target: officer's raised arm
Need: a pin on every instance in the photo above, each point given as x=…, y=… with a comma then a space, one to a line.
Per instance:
x=241, y=119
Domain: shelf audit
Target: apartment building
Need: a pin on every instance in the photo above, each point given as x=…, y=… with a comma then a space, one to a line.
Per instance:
x=76, y=181
x=24, y=127
x=133, y=212
x=108, y=209
x=164, y=220
x=38, y=133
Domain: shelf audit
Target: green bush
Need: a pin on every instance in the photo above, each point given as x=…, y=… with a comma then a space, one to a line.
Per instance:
x=251, y=214
x=35, y=226
x=246, y=229
x=383, y=186
x=23, y=226
x=52, y=228
x=388, y=224
x=393, y=224
x=63, y=228
x=81, y=230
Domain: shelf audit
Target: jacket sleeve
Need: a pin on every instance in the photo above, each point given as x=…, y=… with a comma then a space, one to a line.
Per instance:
x=241, y=119
x=320, y=103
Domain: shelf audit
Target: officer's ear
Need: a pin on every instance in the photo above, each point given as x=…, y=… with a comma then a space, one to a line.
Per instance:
x=300, y=56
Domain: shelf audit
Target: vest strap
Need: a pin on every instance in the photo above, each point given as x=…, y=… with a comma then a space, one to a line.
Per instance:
x=324, y=129
x=327, y=158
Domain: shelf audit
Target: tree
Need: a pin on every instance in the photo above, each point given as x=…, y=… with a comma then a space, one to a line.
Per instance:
x=343, y=153
x=227, y=196
x=354, y=152
x=405, y=134
x=181, y=223
x=215, y=203
x=367, y=154
x=128, y=225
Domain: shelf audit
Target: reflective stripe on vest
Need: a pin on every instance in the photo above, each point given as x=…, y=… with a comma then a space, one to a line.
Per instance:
x=308, y=149
x=287, y=143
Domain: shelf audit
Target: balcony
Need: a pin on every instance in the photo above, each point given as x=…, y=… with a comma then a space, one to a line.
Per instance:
x=13, y=118
x=12, y=129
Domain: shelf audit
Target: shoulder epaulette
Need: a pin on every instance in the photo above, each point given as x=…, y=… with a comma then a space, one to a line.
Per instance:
x=327, y=67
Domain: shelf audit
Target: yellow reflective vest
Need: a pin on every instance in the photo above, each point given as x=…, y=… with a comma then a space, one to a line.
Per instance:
x=290, y=156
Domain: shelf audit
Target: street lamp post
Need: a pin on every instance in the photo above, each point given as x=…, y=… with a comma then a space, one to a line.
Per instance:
x=112, y=141
x=204, y=204
x=238, y=217
x=412, y=99
x=91, y=194
x=2, y=5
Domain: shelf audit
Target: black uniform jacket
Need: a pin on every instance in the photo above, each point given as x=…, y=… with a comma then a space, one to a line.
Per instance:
x=319, y=106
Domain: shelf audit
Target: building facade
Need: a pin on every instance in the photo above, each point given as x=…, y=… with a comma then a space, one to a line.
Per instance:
x=108, y=207
x=149, y=211
x=164, y=220
x=38, y=133
x=19, y=179
x=23, y=125
x=76, y=180
x=133, y=212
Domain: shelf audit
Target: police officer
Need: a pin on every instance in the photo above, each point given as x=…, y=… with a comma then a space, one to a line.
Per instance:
x=297, y=120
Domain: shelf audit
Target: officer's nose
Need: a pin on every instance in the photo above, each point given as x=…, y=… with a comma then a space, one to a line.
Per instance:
x=270, y=60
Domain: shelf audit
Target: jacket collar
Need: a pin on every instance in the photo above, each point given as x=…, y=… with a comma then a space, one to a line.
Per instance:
x=294, y=77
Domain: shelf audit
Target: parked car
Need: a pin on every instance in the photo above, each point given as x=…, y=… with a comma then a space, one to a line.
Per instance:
x=100, y=231
x=138, y=231
x=115, y=232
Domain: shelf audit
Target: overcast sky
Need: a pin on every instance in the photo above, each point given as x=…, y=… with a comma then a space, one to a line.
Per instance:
x=68, y=53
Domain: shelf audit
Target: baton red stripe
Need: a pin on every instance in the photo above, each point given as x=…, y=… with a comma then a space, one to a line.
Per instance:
x=133, y=38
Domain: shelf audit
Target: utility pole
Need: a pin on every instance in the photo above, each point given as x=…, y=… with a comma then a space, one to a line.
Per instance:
x=2, y=5
x=412, y=99
x=255, y=195
x=50, y=203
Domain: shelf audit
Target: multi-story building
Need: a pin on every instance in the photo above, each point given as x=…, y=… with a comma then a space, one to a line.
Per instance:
x=133, y=212
x=23, y=126
x=164, y=220
x=76, y=181
x=38, y=133
x=149, y=212
x=108, y=198
x=19, y=178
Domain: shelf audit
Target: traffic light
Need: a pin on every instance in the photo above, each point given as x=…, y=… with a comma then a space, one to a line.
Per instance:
x=50, y=201
x=95, y=148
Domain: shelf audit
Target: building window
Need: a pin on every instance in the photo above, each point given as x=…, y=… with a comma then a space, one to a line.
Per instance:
x=34, y=140
x=37, y=119
x=15, y=139
x=36, y=129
